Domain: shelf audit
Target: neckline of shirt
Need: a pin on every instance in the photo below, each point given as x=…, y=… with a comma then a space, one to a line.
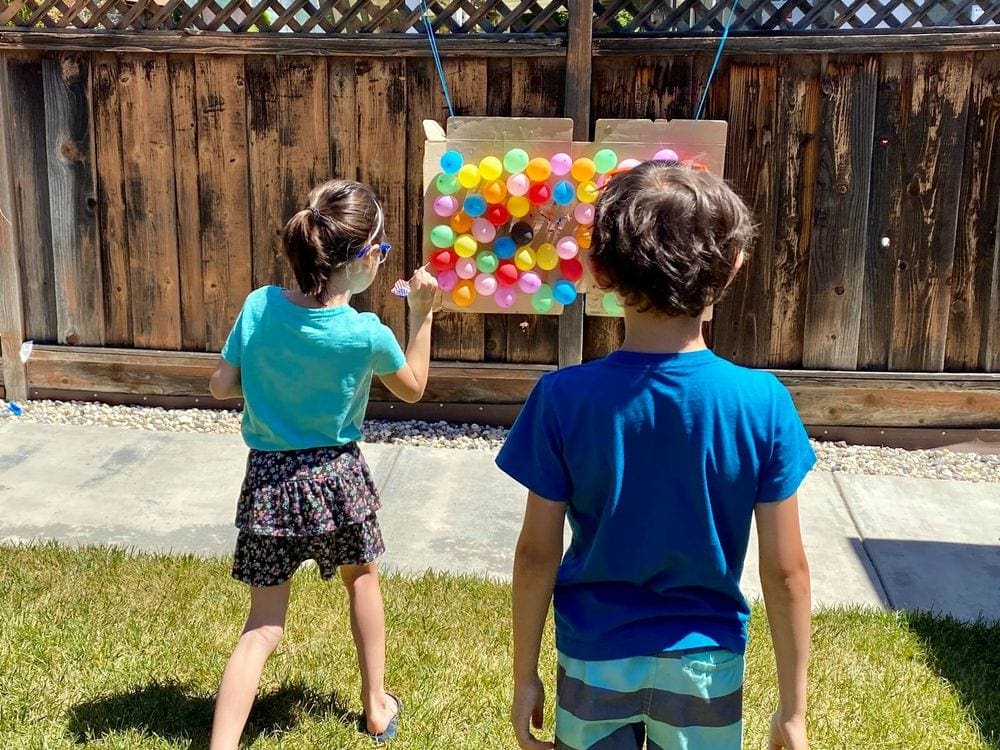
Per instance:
x=279, y=292
x=628, y=358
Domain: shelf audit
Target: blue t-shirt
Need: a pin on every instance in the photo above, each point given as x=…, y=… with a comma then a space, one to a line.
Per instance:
x=660, y=459
x=306, y=373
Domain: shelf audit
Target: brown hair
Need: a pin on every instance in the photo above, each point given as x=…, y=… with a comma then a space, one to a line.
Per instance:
x=667, y=237
x=339, y=220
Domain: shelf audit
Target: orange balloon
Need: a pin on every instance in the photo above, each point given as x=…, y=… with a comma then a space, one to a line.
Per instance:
x=584, y=236
x=461, y=222
x=464, y=293
x=495, y=192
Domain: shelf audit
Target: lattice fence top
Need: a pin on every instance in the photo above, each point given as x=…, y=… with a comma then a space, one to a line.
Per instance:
x=612, y=17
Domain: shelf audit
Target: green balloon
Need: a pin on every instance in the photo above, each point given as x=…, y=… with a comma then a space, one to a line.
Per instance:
x=487, y=262
x=605, y=160
x=447, y=184
x=515, y=160
x=442, y=236
x=611, y=306
x=542, y=299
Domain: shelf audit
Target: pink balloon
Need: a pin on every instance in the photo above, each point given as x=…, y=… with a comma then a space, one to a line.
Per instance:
x=561, y=163
x=584, y=213
x=518, y=184
x=666, y=154
x=486, y=284
x=629, y=164
x=483, y=230
x=445, y=205
x=567, y=248
x=447, y=280
x=530, y=282
x=505, y=296
x=466, y=268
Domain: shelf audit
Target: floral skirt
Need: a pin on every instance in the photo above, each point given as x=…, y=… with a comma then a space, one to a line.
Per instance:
x=317, y=504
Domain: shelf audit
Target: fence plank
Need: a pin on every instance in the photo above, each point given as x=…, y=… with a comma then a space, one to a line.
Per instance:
x=977, y=247
x=343, y=119
x=194, y=332
x=29, y=169
x=267, y=203
x=837, y=243
x=934, y=149
x=72, y=200
x=150, y=200
x=499, y=78
x=224, y=191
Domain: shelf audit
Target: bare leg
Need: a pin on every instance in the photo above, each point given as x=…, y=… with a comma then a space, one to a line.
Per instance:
x=241, y=677
x=368, y=627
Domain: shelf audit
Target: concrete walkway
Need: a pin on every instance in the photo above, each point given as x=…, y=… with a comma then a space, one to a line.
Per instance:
x=875, y=541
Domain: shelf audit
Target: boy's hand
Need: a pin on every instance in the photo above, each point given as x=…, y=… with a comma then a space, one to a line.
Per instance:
x=526, y=712
x=423, y=291
x=788, y=734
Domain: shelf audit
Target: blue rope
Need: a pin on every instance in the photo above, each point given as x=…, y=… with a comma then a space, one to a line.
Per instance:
x=432, y=40
x=718, y=56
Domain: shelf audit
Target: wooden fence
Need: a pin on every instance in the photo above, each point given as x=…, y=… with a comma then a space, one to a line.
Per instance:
x=148, y=182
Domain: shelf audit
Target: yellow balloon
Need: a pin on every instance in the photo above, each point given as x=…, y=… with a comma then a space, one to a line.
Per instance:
x=538, y=169
x=464, y=293
x=524, y=258
x=518, y=206
x=547, y=258
x=468, y=176
x=587, y=192
x=466, y=246
x=490, y=168
x=495, y=192
x=582, y=170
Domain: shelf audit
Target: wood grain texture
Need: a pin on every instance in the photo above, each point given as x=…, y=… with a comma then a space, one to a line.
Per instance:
x=150, y=201
x=837, y=242
x=343, y=118
x=76, y=248
x=933, y=172
x=266, y=201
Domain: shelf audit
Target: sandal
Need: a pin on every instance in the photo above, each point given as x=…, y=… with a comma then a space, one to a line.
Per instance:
x=389, y=733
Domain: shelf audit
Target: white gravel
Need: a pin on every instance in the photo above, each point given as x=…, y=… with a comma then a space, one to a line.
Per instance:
x=853, y=459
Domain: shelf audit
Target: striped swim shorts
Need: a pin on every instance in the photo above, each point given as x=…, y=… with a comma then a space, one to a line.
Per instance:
x=671, y=701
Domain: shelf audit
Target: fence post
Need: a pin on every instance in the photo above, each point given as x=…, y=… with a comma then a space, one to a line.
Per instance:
x=11, y=308
x=579, y=62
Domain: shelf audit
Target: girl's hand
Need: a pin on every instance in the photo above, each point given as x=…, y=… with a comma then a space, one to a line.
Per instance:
x=423, y=292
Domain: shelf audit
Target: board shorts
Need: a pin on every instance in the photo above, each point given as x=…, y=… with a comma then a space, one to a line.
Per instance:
x=671, y=701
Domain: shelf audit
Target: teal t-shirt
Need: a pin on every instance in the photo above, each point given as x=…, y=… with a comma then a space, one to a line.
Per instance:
x=306, y=373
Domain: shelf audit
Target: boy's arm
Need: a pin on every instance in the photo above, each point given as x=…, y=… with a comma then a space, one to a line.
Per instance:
x=784, y=577
x=536, y=560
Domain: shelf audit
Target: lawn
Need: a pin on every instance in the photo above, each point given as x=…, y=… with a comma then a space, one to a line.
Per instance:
x=107, y=649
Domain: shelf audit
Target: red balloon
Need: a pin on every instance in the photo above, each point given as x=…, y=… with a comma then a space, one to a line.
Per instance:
x=572, y=269
x=443, y=260
x=498, y=215
x=507, y=273
x=539, y=193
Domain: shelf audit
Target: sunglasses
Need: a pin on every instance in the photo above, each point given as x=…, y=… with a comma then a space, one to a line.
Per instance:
x=382, y=247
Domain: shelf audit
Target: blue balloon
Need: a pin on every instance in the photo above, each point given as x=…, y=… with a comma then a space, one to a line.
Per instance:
x=474, y=205
x=564, y=292
x=564, y=193
x=505, y=248
x=451, y=162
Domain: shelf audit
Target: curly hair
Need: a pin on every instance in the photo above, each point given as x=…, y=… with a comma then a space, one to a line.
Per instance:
x=667, y=237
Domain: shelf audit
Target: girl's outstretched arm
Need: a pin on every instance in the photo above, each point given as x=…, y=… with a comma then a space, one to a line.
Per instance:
x=409, y=381
x=225, y=382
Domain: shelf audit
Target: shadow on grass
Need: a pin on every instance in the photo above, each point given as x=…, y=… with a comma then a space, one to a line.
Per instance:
x=178, y=714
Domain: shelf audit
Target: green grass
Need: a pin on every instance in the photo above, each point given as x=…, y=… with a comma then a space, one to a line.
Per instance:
x=106, y=649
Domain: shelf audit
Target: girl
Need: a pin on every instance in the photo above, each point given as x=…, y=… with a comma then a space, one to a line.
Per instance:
x=303, y=361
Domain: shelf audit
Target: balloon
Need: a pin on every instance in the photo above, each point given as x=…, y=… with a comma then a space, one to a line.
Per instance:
x=485, y=284
x=629, y=164
x=451, y=162
x=445, y=205
x=518, y=206
x=564, y=292
x=505, y=296
x=443, y=260
x=563, y=193
x=515, y=160
x=518, y=184
x=487, y=262
x=583, y=169
x=490, y=168
x=571, y=269
x=546, y=256
x=539, y=193
x=466, y=246
x=461, y=222
x=442, y=236
x=466, y=268
x=611, y=304
x=507, y=273
x=447, y=280
x=468, y=176
x=584, y=213
x=498, y=215
x=584, y=237
x=605, y=160
x=495, y=192
x=530, y=282
x=505, y=248
x=524, y=259
x=446, y=183
x=587, y=192
x=483, y=231
x=522, y=233
x=474, y=205
x=464, y=293
x=567, y=248
x=666, y=154
x=561, y=164
x=538, y=169
x=542, y=300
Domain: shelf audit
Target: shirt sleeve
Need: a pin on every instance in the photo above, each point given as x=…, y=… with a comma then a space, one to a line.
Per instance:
x=791, y=455
x=387, y=355
x=533, y=454
x=233, y=350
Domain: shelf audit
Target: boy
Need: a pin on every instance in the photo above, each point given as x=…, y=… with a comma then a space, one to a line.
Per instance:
x=659, y=454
